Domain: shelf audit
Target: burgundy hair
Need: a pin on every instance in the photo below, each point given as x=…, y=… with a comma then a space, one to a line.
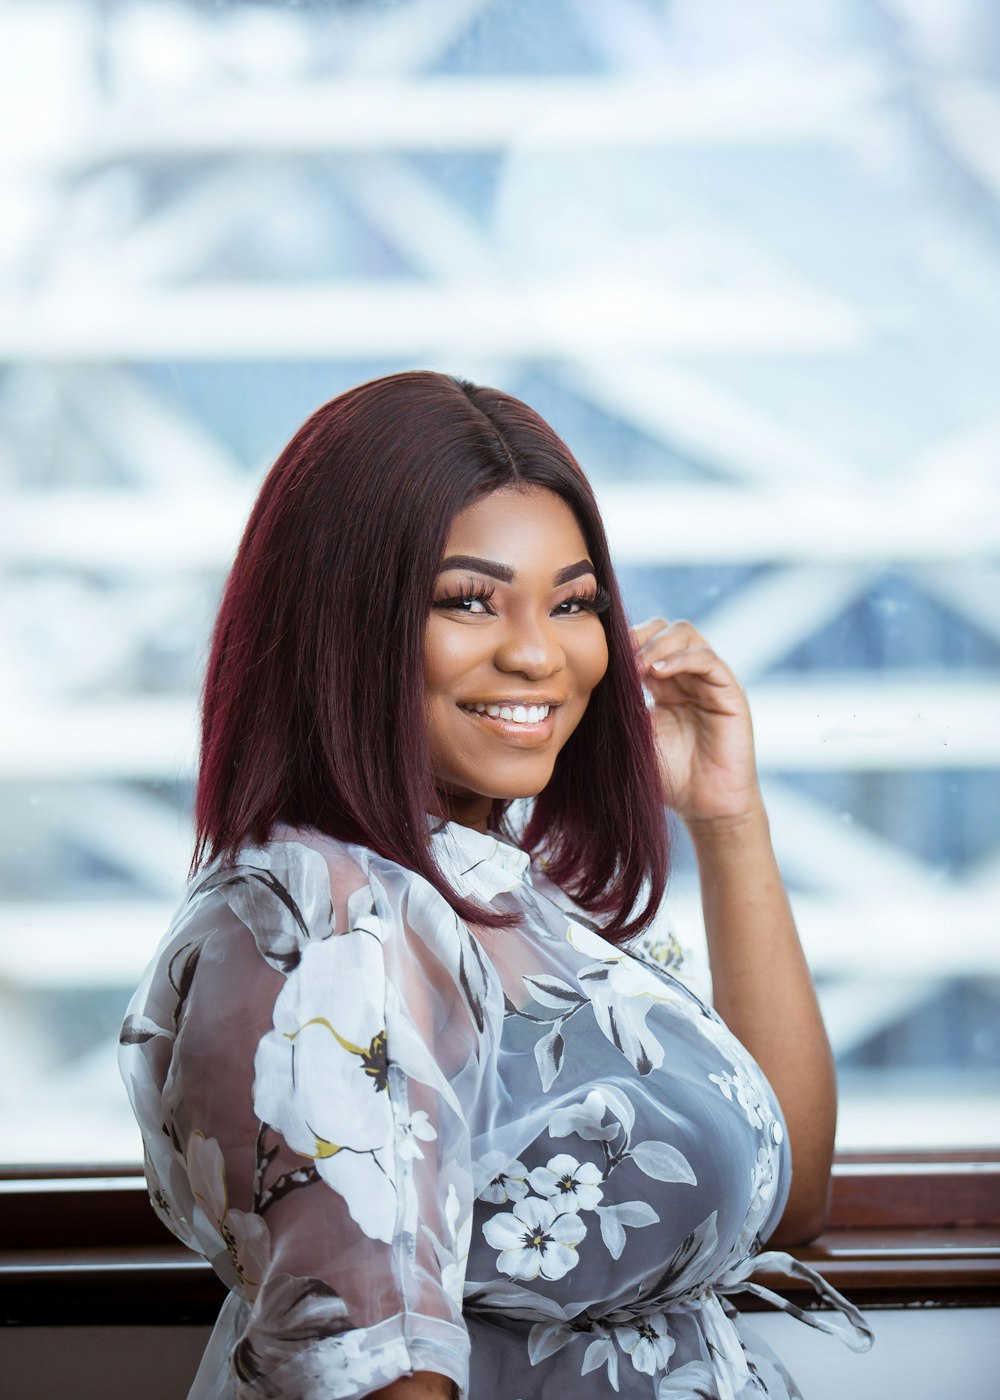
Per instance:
x=315, y=680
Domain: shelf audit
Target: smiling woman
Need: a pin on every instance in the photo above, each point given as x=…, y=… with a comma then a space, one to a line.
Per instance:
x=336, y=595
x=440, y=1100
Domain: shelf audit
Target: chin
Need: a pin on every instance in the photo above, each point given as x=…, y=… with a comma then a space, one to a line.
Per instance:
x=524, y=788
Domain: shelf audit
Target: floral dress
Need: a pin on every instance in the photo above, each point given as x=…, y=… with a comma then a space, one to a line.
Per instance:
x=522, y=1158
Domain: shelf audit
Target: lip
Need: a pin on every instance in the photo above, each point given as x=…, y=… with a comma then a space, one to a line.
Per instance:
x=511, y=700
x=523, y=735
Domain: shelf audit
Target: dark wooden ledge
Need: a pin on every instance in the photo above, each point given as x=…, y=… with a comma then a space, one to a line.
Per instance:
x=85, y=1247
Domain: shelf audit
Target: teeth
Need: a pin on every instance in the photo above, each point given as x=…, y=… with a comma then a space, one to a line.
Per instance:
x=513, y=714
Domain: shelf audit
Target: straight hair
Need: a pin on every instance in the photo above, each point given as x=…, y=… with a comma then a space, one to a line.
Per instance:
x=315, y=679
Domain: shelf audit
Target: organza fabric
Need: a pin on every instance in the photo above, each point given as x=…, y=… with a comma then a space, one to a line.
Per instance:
x=525, y=1159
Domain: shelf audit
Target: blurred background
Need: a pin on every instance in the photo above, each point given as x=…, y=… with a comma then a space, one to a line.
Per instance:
x=747, y=262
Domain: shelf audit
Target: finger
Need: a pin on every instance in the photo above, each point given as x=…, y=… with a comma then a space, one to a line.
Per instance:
x=700, y=659
x=680, y=633
x=642, y=632
x=679, y=637
x=698, y=665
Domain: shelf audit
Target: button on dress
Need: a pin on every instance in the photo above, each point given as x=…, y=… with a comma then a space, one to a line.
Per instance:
x=523, y=1158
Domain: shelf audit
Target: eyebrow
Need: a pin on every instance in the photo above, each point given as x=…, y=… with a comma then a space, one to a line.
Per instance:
x=505, y=574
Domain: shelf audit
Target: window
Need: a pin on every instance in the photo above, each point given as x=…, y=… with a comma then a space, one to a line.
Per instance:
x=753, y=285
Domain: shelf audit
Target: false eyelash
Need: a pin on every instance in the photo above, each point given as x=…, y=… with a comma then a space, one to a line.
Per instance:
x=480, y=592
x=597, y=602
x=601, y=600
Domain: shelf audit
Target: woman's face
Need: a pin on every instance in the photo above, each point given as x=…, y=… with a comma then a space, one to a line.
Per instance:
x=514, y=647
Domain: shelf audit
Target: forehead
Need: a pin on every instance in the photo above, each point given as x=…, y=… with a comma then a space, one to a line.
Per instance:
x=518, y=524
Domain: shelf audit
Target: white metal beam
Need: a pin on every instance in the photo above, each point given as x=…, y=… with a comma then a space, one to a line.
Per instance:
x=734, y=106
x=690, y=414
x=113, y=529
x=101, y=943
x=380, y=318
x=149, y=838
x=176, y=240
x=971, y=589
x=435, y=235
x=405, y=38
x=879, y=723
x=165, y=447
x=831, y=724
x=956, y=934
x=857, y=1008
x=771, y=615
x=837, y=855
x=968, y=115
x=837, y=523
x=647, y=524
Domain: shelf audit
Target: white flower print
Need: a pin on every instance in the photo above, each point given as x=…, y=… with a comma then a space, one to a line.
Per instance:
x=283, y=895
x=511, y=1184
x=460, y=1230
x=340, y=1364
x=243, y=1235
x=601, y=1352
x=613, y=1220
x=696, y=1380
x=585, y=1119
x=287, y=1309
x=648, y=1342
x=320, y=1077
x=622, y=992
x=534, y=1239
x=762, y=1176
x=747, y=1095
x=408, y=1130
x=573, y=1184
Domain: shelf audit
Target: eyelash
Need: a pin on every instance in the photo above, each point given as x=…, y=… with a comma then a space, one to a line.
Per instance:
x=597, y=602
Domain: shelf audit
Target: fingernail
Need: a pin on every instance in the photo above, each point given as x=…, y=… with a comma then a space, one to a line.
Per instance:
x=660, y=666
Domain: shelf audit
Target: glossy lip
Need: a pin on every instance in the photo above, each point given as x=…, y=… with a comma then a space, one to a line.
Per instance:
x=526, y=734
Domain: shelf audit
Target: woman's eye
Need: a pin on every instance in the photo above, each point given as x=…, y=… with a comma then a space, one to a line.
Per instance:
x=586, y=602
x=474, y=603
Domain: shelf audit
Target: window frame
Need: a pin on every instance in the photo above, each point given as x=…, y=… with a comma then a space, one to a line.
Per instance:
x=82, y=1244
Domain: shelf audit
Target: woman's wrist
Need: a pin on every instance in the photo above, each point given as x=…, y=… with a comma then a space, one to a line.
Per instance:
x=732, y=830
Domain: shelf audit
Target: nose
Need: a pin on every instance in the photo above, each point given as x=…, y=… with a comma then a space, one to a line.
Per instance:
x=530, y=649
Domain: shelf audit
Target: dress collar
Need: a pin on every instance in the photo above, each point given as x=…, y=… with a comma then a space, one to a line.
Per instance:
x=476, y=862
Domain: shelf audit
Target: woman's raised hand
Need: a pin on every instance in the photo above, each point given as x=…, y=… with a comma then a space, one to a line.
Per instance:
x=708, y=771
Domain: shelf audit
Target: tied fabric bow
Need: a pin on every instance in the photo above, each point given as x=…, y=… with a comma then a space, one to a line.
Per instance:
x=507, y=1304
x=722, y=1338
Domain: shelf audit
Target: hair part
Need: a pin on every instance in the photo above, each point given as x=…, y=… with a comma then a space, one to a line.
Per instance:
x=318, y=651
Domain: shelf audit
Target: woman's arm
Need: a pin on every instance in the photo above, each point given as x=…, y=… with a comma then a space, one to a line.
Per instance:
x=762, y=986
x=764, y=992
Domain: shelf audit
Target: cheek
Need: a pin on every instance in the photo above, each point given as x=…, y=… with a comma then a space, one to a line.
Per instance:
x=450, y=654
x=441, y=660
x=592, y=657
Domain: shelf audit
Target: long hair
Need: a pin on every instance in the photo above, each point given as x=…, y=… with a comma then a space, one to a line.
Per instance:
x=313, y=705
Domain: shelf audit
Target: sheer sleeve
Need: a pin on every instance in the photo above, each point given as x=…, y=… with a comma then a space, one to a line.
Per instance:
x=306, y=1061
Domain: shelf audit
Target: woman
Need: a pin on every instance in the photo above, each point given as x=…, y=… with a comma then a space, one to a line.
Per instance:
x=397, y=1076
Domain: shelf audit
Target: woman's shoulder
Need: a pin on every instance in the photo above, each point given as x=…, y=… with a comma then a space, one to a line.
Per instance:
x=301, y=886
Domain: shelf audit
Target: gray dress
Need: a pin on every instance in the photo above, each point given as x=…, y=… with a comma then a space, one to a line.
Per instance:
x=525, y=1159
